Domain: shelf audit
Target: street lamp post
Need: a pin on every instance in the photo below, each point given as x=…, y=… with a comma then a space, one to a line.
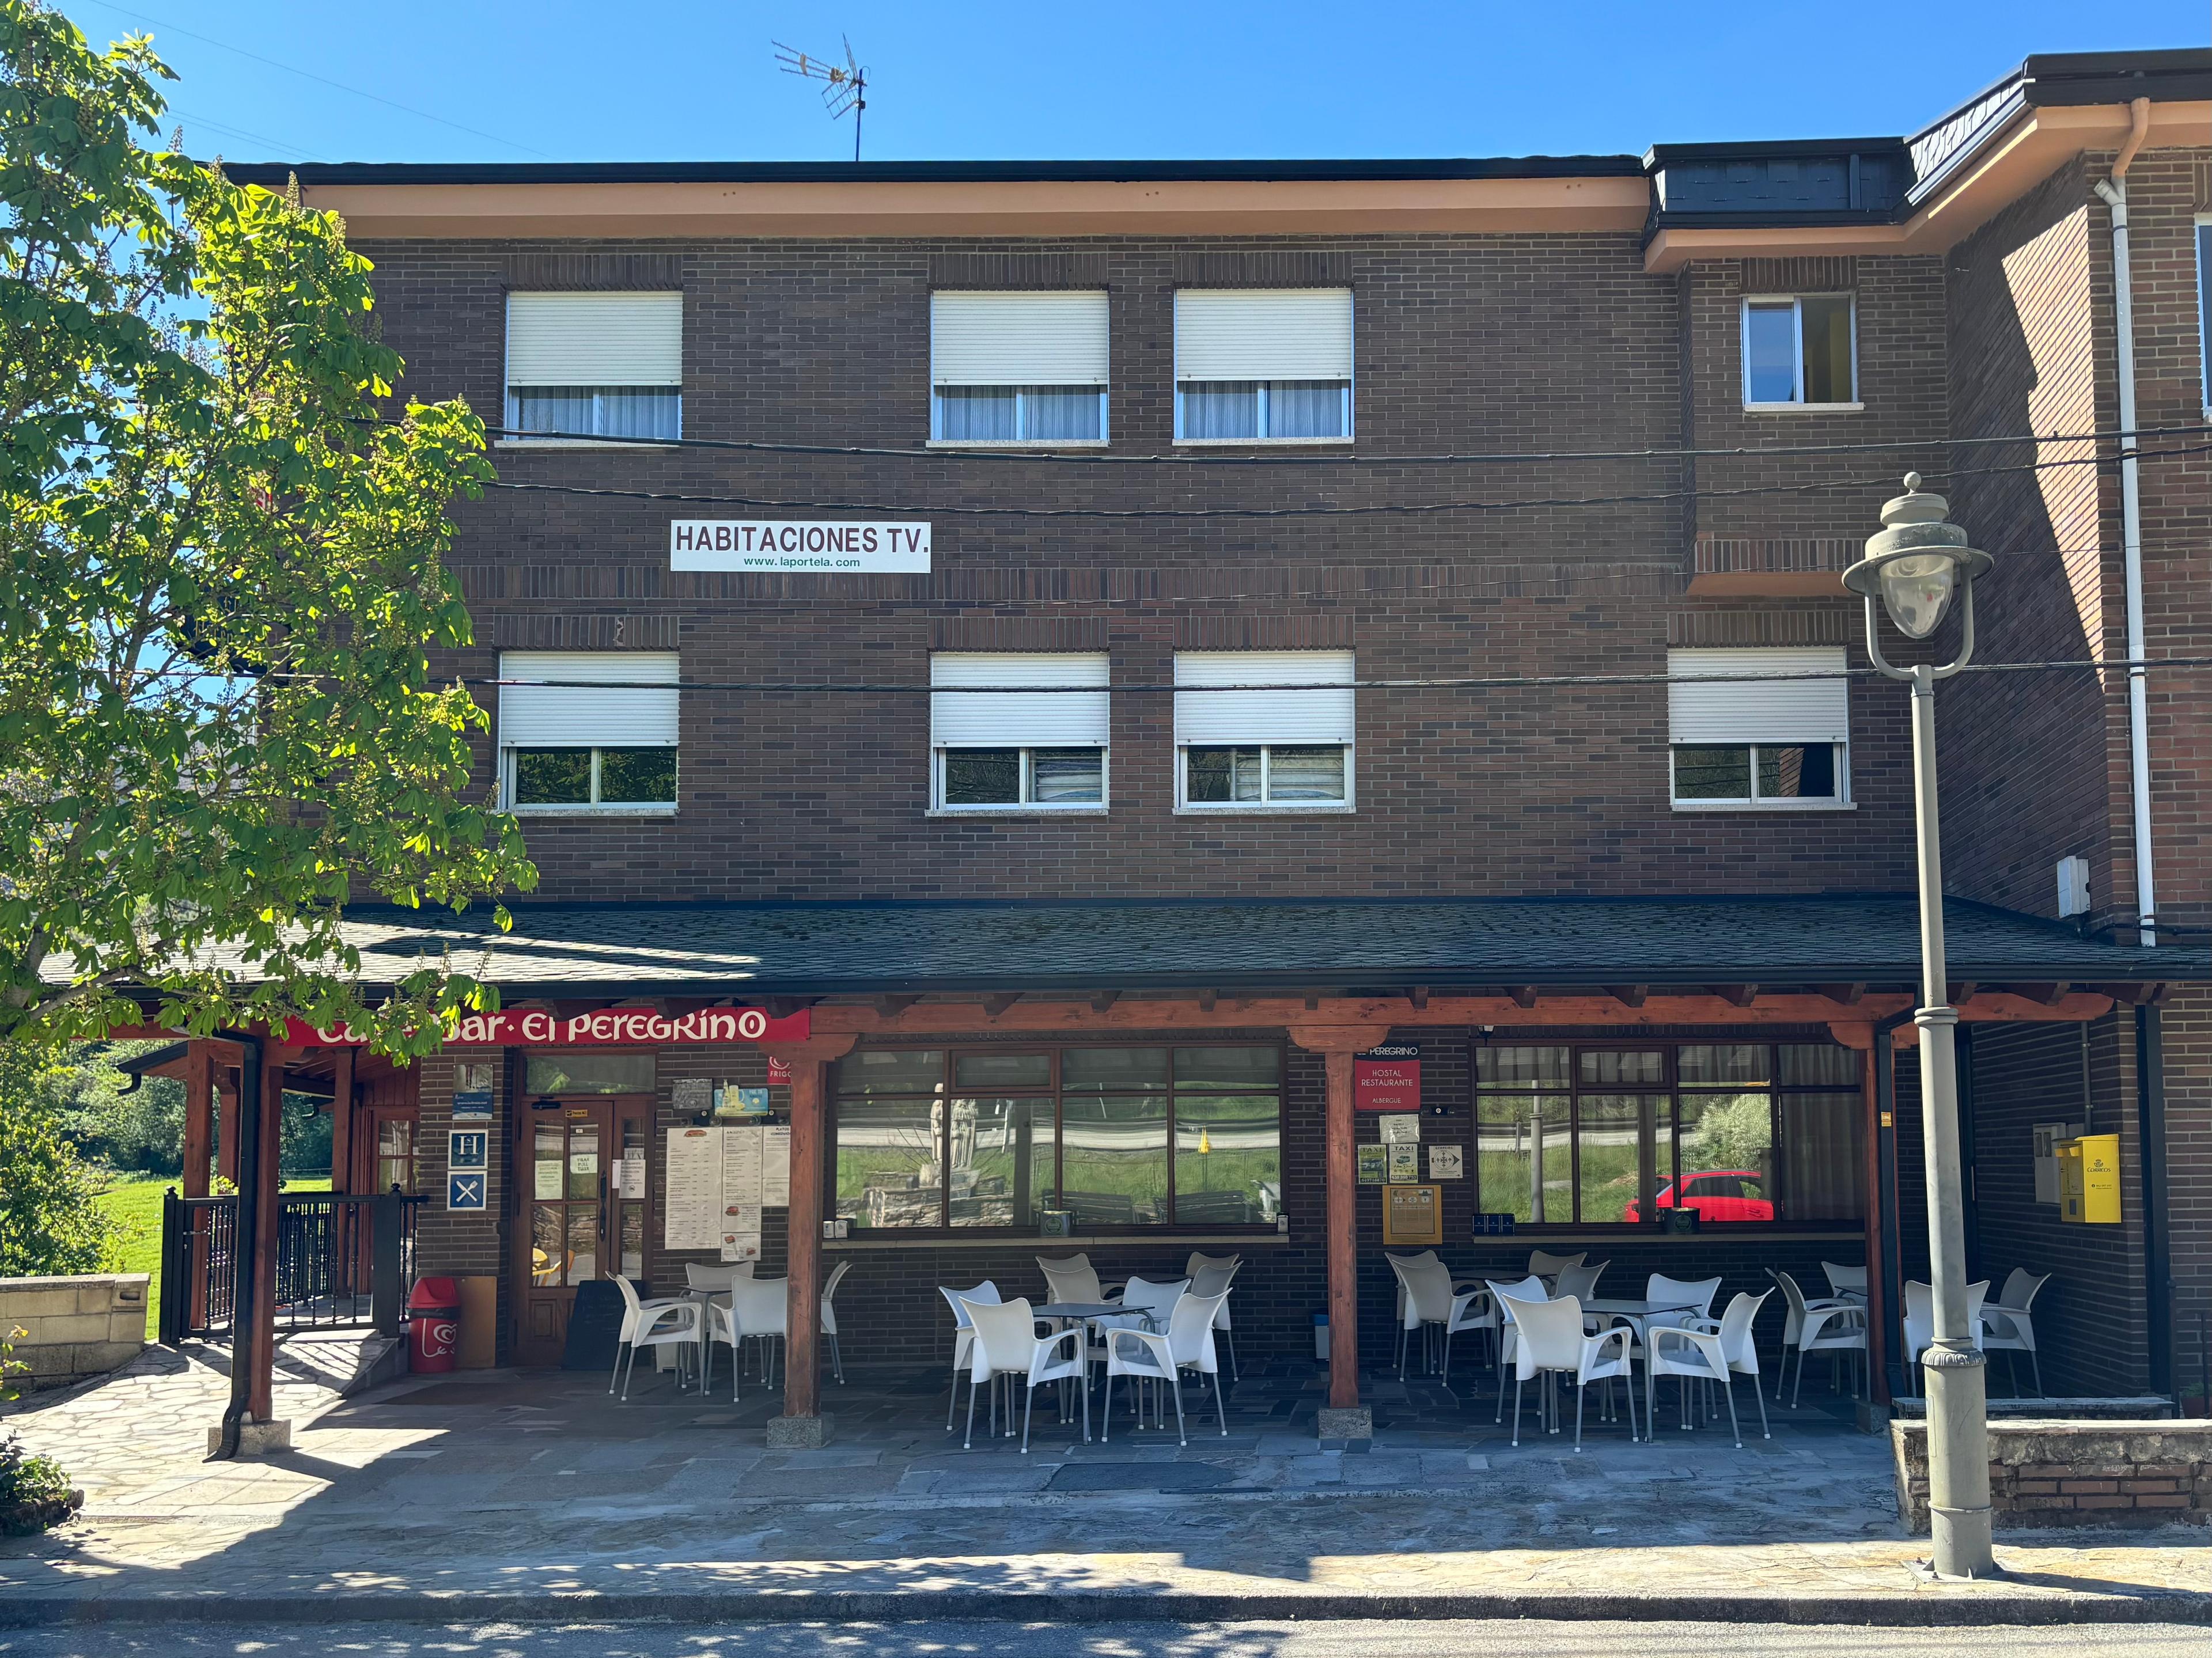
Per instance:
x=1916, y=566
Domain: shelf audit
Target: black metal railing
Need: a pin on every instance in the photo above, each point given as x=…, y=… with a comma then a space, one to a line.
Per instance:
x=343, y=1262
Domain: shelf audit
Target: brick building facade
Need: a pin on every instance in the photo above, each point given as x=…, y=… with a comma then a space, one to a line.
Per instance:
x=1563, y=465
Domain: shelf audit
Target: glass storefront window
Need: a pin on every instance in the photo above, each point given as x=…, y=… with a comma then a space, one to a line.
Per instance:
x=588, y=1073
x=1740, y=1131
x=1120, y=1137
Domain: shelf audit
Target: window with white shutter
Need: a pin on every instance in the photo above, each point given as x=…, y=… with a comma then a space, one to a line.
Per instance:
x=595, y=365
x=585, y=731
x=1270, y=365
x=1018, y=730
x=1021, y=367
x=1759, y=726
x=1257, y=729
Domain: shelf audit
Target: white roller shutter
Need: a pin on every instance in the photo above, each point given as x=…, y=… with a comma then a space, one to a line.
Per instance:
x=1322, y=714
x=622, y=715
x=1785, y=710
x=1018, y=339
x=595, y=339
x=1015, y=719
x=1263, y=334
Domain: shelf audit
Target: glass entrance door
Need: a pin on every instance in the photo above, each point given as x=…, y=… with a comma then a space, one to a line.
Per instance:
x=561, y=1165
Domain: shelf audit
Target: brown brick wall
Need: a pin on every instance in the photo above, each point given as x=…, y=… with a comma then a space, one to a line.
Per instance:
x=1464, y=344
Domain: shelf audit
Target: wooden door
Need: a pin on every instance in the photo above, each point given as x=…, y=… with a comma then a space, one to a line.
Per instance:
x=580, y=1218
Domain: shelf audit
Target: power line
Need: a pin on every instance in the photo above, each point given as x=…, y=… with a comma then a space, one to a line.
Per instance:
x=309, y=74
x=1381, y=509
x=1091, y=458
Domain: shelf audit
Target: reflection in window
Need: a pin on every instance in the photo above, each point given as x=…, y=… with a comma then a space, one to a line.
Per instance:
x=589, y=1073
x=1001, y=1161
x=1113, y=1159
x=887, y=1164
x=1228, y=1158
x=1119, y=1137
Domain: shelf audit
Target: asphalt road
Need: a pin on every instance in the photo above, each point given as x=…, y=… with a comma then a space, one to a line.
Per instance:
x=1325, y=1639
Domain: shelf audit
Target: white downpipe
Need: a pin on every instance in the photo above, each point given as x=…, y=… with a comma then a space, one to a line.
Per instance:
x=2115, y=193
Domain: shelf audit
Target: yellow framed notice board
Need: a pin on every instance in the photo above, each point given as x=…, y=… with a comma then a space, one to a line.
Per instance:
x=1412, y=1214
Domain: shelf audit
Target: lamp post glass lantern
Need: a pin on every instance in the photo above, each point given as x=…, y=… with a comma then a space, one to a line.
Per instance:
x=1917, y=566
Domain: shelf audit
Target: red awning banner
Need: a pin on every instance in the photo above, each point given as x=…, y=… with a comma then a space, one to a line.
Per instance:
x=610, y=1027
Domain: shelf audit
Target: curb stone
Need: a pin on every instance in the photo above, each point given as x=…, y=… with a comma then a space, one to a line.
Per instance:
x=1922, y=1610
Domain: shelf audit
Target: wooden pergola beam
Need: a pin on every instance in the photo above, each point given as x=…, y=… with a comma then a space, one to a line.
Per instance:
x=1737, y=995
x=891, y=1007
x=1629, y=995
x=1419, y=996
x=1204, y=1010
x=1524, y=996
x=1103, y=1000
x=1849, y=994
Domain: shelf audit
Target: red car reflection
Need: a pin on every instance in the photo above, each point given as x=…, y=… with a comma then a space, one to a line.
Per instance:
x=1721, y=1195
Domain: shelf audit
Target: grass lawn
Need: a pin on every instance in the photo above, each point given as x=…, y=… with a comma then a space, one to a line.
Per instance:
x=133, y=1204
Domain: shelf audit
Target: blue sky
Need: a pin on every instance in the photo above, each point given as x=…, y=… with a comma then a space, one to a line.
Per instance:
x=571, y=79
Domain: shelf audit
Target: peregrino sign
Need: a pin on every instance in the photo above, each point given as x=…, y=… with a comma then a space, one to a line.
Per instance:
x=802, y=547
x=621, y=1027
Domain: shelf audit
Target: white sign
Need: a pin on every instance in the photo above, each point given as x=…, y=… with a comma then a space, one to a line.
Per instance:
x=1447, y=1162
x=1401, y=1128
x=691, y=1209
x=834, y=548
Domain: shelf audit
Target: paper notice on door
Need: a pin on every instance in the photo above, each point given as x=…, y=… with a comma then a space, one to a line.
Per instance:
x=583, y=1163
x=692, y=1208
x=775, y=1166
x=547, y=1185
x=741, y=1164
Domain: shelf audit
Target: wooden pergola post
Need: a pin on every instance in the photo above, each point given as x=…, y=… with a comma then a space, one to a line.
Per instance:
x=802, y=1423
x=268, y=1155
x=1343, y=1418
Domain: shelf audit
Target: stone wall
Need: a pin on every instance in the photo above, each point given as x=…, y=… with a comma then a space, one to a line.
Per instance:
x=74, y=1328
x=2076, y=1474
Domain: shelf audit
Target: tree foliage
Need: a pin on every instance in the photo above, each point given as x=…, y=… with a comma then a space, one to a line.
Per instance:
x=220, y=572
x=49, y=1219
x=1736, y=1132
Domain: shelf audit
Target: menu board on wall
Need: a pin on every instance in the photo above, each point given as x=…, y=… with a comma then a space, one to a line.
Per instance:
x=720, y=1179
x=775, y=1165
x=691, y=1213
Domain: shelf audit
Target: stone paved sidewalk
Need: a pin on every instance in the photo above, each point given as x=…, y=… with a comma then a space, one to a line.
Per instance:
x=502, y=1493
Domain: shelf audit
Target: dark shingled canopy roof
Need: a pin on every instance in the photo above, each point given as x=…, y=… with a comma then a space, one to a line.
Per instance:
x=826, y=949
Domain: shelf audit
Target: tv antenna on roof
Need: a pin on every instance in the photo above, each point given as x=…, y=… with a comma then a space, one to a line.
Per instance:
x=845, y=86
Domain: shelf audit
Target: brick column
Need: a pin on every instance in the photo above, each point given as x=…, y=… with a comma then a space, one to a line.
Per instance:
x=1344, y=1417
x=802, y=1422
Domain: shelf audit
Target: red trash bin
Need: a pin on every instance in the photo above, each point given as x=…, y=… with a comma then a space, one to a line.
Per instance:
x=433, y=1319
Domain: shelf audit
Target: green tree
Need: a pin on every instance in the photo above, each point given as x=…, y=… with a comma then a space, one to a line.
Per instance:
x=220, y=572
x=1732, y=1133
x=49, y=1220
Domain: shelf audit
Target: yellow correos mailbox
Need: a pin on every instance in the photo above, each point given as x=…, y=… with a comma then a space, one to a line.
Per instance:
x=2089, y=1180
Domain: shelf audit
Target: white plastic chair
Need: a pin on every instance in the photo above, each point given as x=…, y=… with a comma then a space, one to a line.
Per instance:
x=2007, y=1327
x=1707, y=1352
x=1542, y=1264
x=1549, y=1341
x=1073, y=1279
x=829, y=1319
x=667, y=1322
x=1502, y=1297
x=1433, y=1308
x=1920, y=1322
x=1843, y=1278
x=713, y=1280
x=1580, y=1282
x=963, y=1335
x=1211, y=1275
x=1425, y=1258
x=1698, y=1293
x=1007, y=1343
x=1827, y=1325
x=1163, y=1356
x=759, y=1310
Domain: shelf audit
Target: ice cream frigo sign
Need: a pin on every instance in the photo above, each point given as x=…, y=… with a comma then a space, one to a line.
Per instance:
x=799, y=547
